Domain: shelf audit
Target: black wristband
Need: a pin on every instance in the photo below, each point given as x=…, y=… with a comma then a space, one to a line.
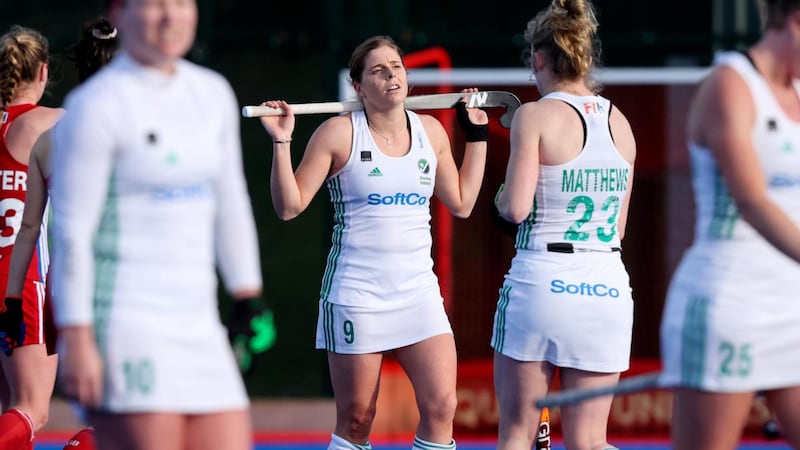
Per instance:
x=473, y=132
x=245, y=306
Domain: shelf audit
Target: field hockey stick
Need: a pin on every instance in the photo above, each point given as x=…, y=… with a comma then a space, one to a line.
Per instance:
x=481, y=99
x=543, y=437
x=625, y=386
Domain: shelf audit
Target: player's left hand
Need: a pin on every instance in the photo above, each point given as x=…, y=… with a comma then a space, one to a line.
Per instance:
x=252, y=332
x=473, y=121
x=508, y=228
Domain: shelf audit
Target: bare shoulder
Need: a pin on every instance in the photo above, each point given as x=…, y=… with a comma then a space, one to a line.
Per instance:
x=533, y=108
x=539, y=115
x=622, y=133
x=435, y=131
x=724, y=100
x=618, y=119
x=27, y=127
x=545, y=110
x=336, y=126
x=723, y=87
x=333, y=136
x=40, y=119
x=430, y=123
x=49, y=115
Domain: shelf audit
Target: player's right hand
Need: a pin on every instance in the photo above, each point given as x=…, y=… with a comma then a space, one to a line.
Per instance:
x=280, y=128
x=80, y=366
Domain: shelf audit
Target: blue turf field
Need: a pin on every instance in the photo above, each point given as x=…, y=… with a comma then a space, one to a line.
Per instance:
x=483, y=445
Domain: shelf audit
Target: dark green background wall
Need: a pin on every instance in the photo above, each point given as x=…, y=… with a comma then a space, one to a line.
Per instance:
x=294, y=50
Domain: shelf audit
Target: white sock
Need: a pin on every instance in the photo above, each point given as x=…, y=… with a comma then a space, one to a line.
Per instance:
x=421, y=444
x=340, y=443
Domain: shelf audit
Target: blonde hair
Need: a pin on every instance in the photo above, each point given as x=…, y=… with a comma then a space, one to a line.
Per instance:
x=22, y=52
x=775, y=12
x=565, y=33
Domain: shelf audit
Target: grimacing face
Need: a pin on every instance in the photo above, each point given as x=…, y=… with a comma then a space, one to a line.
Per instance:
x=157, y=32
x=384, y=75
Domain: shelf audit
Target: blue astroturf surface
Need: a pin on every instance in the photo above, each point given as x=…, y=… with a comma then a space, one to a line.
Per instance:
x=466, y=445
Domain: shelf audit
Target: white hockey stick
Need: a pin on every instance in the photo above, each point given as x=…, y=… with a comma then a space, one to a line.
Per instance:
x=625, y=386
x=482, y=99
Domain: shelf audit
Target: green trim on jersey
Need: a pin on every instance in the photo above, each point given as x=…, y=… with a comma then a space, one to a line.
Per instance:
x=335, y=190
x=105, y=247
x=725, y=213
x=693, y=342
x=525, y=229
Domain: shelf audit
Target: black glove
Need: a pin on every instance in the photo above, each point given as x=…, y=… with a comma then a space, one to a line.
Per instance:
x=473, y=132
x=11, y=325
x=505, y=226
x=251, y=331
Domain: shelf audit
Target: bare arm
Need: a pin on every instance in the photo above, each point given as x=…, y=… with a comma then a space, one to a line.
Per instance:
x=626, y=145
x=722, y=118
x=458, y=188
x=292, y=191
x=35, y=202
x=26, y=130
x=515, y=202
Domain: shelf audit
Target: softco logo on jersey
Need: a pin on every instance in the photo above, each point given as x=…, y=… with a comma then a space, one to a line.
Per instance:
x=585, y=289
x=400, y=198
x=180, y=193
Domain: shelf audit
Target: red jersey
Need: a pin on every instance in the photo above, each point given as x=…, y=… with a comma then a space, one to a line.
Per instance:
x=13, y=187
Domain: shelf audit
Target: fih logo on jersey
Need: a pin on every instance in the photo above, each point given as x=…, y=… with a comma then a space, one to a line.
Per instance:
x=593, y=108
x=584, y=289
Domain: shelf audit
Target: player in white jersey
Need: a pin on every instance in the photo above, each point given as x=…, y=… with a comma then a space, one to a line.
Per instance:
x=566, y=300
x=730, y=323
x=149, y=197
x=379, y=292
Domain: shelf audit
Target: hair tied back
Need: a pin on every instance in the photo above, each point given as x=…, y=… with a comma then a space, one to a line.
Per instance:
x=104, y=36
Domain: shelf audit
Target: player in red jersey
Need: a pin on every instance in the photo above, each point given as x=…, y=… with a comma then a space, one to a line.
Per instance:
x=24, y=271
x=28, y=375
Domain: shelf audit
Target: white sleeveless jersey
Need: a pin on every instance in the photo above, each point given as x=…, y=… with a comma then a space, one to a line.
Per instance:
x=776, y=140
x=553, y=305
x=381, y=243
x=579, y=202
x=730, y=317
